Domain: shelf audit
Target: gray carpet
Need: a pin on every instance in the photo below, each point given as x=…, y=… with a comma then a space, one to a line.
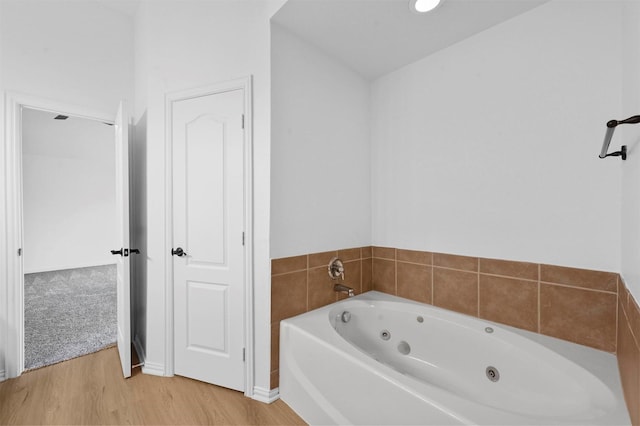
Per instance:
x=68, y=314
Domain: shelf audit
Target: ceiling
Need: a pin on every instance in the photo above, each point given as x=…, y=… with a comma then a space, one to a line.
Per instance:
x=74, y=137
x=375, y=37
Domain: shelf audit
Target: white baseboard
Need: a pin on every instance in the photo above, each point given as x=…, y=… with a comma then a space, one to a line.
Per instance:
x=3, y=376
x=153, y=369
x=266, y=395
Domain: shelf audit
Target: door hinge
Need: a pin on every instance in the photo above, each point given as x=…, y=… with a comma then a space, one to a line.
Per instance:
x=244, y=354
x=242, y=121
x=19, y=252
x=243, y=238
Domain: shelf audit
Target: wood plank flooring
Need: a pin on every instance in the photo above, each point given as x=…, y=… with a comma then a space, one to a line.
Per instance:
x=91, y=390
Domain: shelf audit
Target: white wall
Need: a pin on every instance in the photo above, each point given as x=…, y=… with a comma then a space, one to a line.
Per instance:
x=490, y=147
x=187, y=44
x=74, y=52
x=138, y=159
x=68, y=192
x=320, y=158
x=630, y=135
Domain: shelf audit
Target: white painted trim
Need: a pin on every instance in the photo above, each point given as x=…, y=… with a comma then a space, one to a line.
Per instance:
x=43, y=104
x=13, y=286
x=244, y=83
x=14, y=334
x=3, y=377
x=248, y=226
x=266, y=395
x=153, y=369
x=168, y=237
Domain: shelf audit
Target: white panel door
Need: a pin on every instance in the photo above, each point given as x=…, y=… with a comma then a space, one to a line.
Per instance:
x=208, y=225
x=122, y=228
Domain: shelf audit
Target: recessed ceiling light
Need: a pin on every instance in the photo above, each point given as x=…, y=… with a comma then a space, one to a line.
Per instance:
x=423, y=6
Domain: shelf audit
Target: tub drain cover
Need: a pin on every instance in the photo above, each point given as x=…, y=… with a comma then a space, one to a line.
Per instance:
x=493, y=374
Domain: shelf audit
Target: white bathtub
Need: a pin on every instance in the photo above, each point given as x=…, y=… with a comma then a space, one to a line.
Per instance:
x=399, y=362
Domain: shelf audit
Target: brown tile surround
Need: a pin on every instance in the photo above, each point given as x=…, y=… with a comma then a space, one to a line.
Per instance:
x=301, y=283
x=578, y=305
x=629, y=350
x=545, y=299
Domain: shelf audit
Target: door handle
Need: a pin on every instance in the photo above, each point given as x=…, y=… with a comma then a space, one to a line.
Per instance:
x=134, y=251
x=122, y=252
x=178, y=252
x=116, y=252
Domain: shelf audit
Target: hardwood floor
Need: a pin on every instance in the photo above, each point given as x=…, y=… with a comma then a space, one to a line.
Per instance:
x=90, y=390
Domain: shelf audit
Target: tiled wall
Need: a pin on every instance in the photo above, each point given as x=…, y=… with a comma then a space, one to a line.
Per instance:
x=300, y=284
x=629, y=351
x=572, y=304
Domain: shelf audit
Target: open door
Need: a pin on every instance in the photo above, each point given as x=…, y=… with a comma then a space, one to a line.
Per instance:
x=122, y=228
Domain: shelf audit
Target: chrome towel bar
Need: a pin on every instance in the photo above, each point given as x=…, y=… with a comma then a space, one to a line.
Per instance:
x=611, y=127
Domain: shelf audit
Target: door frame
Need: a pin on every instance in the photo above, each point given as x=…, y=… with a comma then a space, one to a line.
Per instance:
x=244, y=83
x=12, y=287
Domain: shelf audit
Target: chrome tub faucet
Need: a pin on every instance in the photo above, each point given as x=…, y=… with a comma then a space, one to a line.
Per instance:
x=341, y=288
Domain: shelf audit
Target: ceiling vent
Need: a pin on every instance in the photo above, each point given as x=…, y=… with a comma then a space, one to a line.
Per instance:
x=60, y=117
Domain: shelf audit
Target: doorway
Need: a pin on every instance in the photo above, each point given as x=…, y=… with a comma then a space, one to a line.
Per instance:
x=12, y=260
x=68, y=199
x=210, y=285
